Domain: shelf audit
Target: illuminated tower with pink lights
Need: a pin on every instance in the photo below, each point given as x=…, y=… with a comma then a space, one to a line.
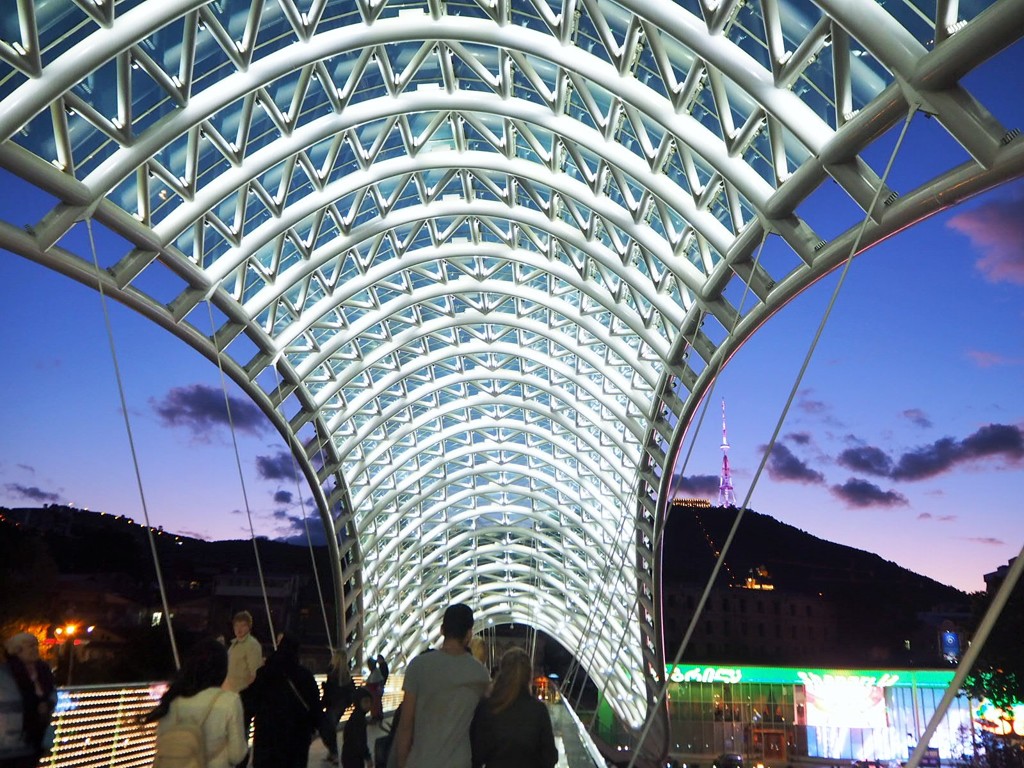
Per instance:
x=726, y=496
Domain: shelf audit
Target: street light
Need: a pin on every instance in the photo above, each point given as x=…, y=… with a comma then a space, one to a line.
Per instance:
x=67, y=633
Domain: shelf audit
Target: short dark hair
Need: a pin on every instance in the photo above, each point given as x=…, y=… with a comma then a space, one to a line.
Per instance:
x=360, y=694
x=457, y=621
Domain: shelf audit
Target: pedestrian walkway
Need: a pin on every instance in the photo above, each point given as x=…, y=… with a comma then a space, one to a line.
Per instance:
x=318, y=753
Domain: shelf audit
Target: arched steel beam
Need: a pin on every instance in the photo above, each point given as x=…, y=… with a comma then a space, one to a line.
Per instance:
x=482, y=348
x=590, y=499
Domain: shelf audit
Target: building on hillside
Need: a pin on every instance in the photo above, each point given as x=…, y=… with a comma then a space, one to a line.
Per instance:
x=753, y=623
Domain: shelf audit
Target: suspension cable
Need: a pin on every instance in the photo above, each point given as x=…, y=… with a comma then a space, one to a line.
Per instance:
x=309, y=538
x=131, y=444
x=241, y=476
x=778, y=426
x=342, y=619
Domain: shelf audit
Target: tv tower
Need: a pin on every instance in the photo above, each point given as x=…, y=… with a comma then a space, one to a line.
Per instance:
x=726, y=496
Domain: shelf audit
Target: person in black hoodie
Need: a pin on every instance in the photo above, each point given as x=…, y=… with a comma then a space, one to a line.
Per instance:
x=286, y=702
x=355, y=744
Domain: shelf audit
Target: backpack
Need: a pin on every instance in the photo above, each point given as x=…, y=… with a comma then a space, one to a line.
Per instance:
x=183, y=744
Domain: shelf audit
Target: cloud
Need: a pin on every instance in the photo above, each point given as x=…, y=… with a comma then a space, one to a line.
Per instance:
x=283, y=497
x=698, y=485
x=996, y=230
x=279, y=467
x=783, y=465
x=200, y=408
x=33, y=493
x=868, y=459
x=918, y=417
x=27, y=467
x=808, y=405
x=987, y=540
x=861, y=493
x=991, y=440
x=940, y=518
x=294, y=531
x=800, y=438
x=984, y=359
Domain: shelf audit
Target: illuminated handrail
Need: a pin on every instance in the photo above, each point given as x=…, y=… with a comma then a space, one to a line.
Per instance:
x=98, y=726
x=579, y=748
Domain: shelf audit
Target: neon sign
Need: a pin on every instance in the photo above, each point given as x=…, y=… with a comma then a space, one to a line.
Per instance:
x=815, y=680
x=861, y=678
x=728, y=675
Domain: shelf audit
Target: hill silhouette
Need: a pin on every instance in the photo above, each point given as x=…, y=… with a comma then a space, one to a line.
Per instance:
x=878, y=603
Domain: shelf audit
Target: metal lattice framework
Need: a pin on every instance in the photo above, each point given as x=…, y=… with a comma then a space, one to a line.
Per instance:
x=478, y=260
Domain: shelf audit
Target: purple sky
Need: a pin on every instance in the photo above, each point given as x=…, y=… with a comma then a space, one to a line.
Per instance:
x=905, y=438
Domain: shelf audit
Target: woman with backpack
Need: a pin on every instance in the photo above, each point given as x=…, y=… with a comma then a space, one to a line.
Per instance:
x=198, y=723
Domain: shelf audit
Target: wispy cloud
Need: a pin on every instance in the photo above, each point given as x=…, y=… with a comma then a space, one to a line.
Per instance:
x=987, y=540
x=32, y=493
x=200, y=408
x=996, y=230
x=862, y=493
x=283, y=497
x=917, y=417
x=984, y=359
x=810, y=405
x=783, y=465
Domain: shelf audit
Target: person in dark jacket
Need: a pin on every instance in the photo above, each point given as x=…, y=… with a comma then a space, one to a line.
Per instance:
x=286, y=703
x=511, y=728
x=339, y=695
x=38, y=691
x=355, y=744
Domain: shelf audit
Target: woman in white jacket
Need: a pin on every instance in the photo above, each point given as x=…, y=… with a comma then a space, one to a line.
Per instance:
x=195, y=696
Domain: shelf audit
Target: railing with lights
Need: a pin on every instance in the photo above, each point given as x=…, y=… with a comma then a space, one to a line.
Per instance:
x=575, y=742
x=98, y=726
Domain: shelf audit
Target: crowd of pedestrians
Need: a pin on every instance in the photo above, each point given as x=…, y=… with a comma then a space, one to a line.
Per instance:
x=451, y=715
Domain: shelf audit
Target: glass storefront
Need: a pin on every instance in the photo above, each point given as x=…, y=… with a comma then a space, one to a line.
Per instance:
x=777, y=715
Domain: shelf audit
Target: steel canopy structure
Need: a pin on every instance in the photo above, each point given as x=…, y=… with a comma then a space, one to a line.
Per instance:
x=478, y=260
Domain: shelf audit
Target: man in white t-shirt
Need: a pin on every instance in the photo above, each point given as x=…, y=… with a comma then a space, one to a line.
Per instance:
x=442, y=689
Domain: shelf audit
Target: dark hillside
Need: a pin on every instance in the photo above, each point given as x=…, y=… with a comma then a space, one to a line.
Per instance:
x=877, y=601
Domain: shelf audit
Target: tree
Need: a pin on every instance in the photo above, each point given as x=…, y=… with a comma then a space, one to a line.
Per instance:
x=998, y=674
x=28, y=577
